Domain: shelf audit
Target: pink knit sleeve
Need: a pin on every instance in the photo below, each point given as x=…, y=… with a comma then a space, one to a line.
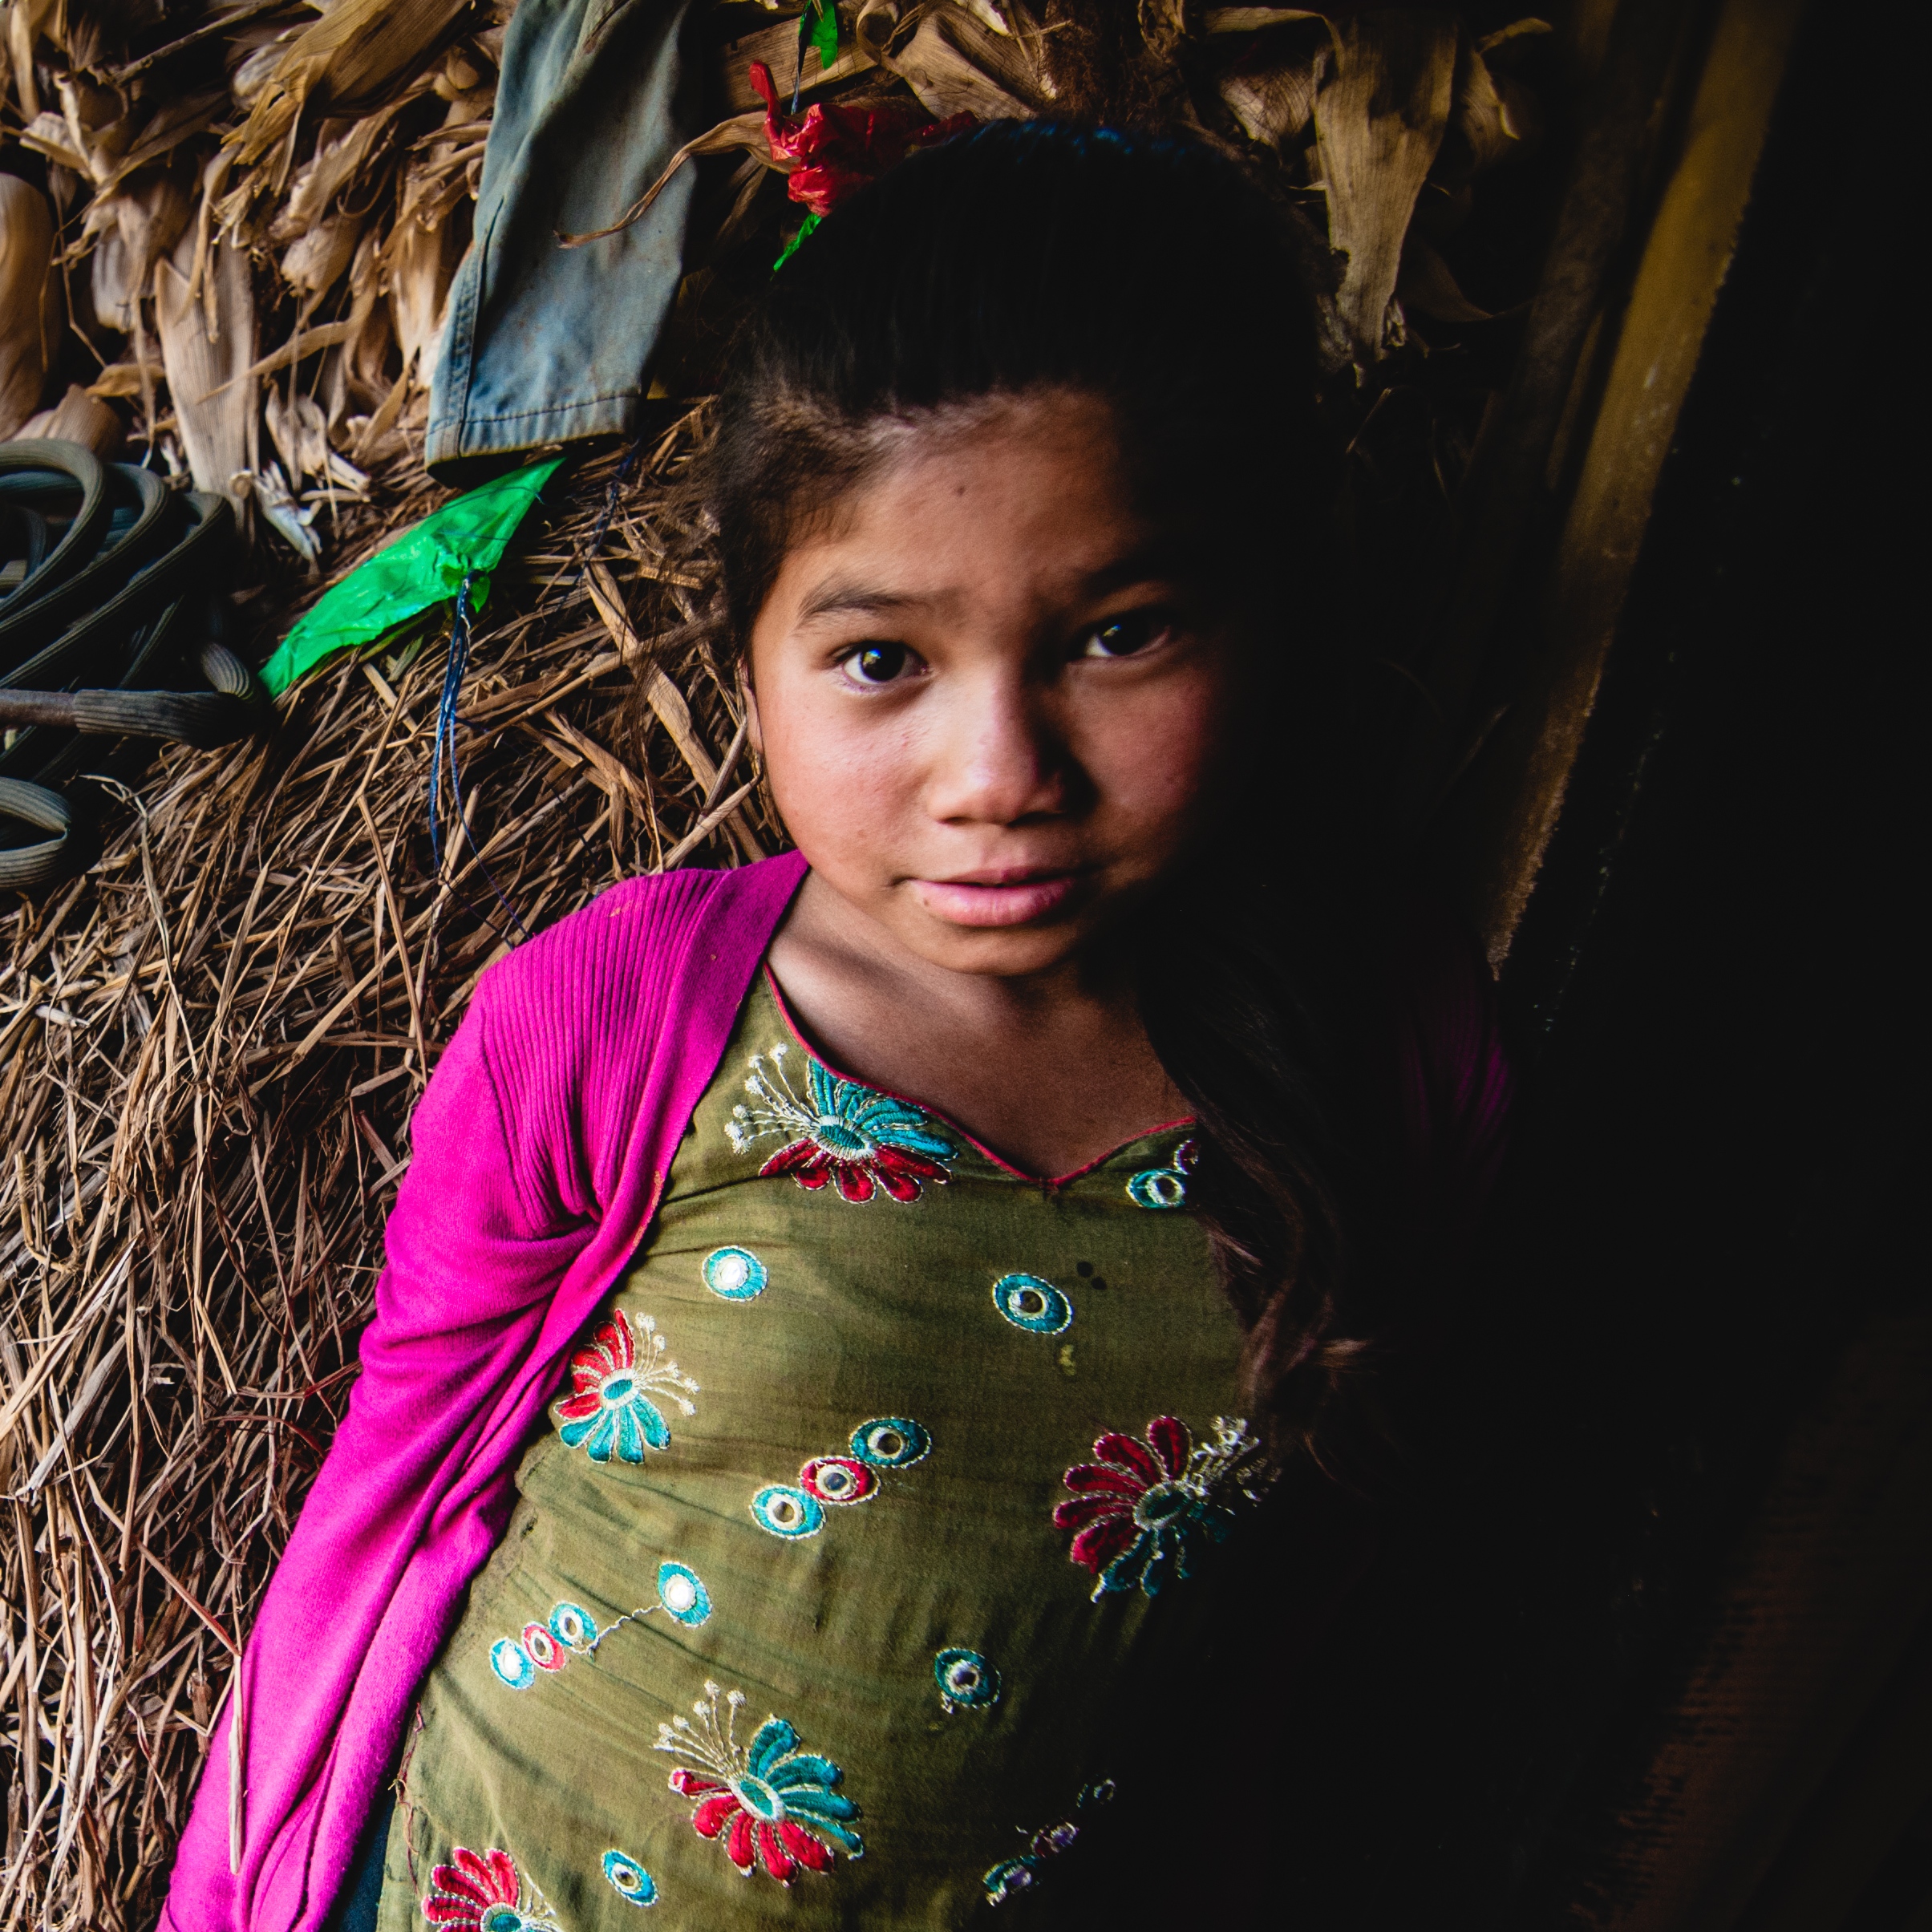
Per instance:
x=538, y=1153
x=407, y=1507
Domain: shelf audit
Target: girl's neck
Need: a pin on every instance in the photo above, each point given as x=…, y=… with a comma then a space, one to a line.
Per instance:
x=1052, y=1070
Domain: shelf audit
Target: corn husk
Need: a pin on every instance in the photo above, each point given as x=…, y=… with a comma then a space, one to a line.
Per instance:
x=128, y=230
x=77, y=418
x=956, y=64
x=27, y=257
x=346, y=151
x=1380, y=114
x=208, y=350
x=358, y=51
x=1274, y=104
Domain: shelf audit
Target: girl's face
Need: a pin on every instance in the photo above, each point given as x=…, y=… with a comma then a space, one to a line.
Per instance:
x=994, y=706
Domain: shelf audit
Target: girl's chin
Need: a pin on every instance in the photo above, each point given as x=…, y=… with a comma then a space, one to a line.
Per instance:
x=1020, y=903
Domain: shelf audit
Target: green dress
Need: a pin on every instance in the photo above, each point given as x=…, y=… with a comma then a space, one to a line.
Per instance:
x=882, y=1489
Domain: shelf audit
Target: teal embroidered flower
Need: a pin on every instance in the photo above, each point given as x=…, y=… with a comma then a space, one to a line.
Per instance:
x=512, y=1663
x=774, y=1804
x=682, y=1592
x=966, y=1681
x=1013, y=1876
x=629, y=1880
x=1164, y=1187
x=734, y=1274
x=1032, y=1304
x=853, y=1137
x=891, y=1442
x=610, y=1415
x=786, y=1511
x=1145, y=1511
x=574, y=1627
x=1009, y=1877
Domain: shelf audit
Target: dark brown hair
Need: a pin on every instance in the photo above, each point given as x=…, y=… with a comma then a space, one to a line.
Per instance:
x=1149, y=271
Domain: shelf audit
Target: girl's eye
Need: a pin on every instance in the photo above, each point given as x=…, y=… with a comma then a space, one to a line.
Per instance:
x=1122, y=637
x=878, y=663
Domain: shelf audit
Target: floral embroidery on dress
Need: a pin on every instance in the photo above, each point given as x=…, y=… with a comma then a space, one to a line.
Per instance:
x=571, y=1631
x=838, y=1479
x=1034, y=1305
x=966, y=1681
x=511, y=1663
x=786, y=1511
x=544, y=1650
x=574, y=1627
x=544, y=1647
x=629, y=1880
x=482, y=1892
x=854, y=1137
x=891, y=1442
x=1012, y=1876
x=734, y=1274
x=887, y=1442
x=1164, y=1187
x=773, y=1804
x=1145, y=1512
x=609, y=1415
x=682, y=1592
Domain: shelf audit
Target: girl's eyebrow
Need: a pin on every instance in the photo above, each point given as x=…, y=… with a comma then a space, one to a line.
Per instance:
x=1148, y=562
x=1157, y=561
x=847, y=598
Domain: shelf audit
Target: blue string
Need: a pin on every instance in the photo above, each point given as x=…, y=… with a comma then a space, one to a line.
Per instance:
x=461, y=629
x=453, y=673
x=603, y=526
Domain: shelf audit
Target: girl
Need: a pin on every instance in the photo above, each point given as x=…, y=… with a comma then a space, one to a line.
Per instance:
x=857, y=1327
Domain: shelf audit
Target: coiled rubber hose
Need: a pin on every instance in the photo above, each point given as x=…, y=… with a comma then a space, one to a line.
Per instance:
x=113, y=627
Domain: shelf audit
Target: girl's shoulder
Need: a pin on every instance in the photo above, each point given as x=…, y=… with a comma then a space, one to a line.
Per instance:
x=648, y=948
x=642, y=930
x=616, y=1013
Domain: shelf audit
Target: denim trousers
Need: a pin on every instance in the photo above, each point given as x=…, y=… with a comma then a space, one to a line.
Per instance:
x=544, y=343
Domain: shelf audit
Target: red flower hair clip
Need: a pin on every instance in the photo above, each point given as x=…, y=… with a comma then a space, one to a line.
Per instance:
x=840, y=148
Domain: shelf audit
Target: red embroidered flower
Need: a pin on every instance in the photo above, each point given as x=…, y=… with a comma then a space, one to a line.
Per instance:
x=838, y=149
x=481, y=1892
x=609, y=1415
x=844, y=1134
x=838, y=1479
x=773, y=1804
x=1144, y=1511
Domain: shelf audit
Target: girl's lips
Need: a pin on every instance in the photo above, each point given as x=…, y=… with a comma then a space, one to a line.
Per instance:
x=996, y=901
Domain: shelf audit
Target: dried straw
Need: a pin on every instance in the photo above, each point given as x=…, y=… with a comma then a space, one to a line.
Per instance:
x=211, y=1041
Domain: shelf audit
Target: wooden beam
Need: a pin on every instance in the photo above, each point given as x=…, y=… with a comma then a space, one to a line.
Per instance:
x=1491, y=840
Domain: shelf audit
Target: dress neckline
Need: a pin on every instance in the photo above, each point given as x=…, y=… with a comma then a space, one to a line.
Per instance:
x=972, y=1140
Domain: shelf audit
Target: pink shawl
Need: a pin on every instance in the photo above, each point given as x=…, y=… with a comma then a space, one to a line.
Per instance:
x=540, y=1150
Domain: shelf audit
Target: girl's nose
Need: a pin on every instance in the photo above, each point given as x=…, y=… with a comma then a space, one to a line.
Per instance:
x=1000, y=757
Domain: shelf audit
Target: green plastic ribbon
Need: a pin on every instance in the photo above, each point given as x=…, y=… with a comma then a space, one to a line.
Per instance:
x=804, y=229
x=424, y=566
x=818, y=26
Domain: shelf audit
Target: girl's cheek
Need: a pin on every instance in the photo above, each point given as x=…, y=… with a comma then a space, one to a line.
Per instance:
x=1158, y=758
x=842, y=784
